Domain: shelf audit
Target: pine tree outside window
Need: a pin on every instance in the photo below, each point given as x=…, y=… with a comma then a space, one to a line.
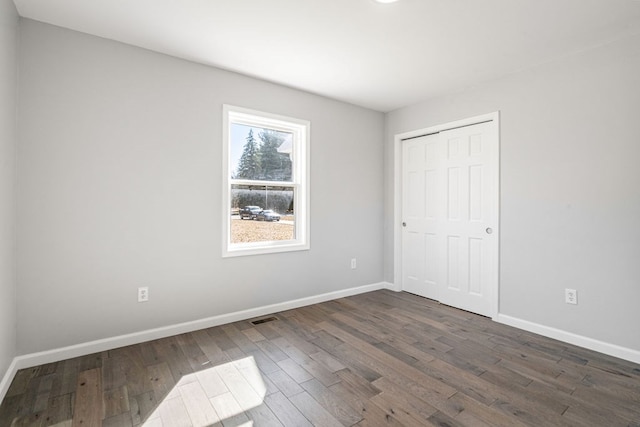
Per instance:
x=265, y=183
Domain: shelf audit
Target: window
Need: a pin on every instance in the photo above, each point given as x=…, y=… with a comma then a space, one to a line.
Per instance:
x=266, y=183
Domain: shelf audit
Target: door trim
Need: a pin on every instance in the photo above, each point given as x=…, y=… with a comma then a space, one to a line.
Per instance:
x=494, y=118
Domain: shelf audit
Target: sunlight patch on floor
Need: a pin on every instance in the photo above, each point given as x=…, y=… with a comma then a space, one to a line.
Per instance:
x=219, y=393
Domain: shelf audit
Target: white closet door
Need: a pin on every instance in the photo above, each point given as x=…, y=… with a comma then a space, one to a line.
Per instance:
x=450, y=208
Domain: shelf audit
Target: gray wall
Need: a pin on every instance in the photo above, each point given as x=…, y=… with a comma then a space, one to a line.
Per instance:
x=570, y=198
x=120, y=186
x=8, y=139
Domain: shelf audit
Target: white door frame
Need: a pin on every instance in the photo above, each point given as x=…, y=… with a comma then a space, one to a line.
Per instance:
x=494, y=118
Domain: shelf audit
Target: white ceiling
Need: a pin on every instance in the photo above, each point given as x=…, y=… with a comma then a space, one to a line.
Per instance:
x=380, y=56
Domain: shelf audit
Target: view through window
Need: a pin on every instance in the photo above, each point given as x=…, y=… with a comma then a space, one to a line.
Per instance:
x=266, y=182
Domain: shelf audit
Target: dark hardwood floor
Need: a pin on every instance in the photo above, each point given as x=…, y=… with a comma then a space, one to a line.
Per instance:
x=376, y=359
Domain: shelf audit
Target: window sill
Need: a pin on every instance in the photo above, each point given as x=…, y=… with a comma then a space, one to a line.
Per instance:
x=272, y=248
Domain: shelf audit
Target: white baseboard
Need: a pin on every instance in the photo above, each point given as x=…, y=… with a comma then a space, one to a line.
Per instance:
x=393, y=287
x=55, y=355
x=571, y=338
x=7, y=378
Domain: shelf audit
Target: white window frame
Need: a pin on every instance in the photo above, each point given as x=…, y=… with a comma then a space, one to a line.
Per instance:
x=301, y=130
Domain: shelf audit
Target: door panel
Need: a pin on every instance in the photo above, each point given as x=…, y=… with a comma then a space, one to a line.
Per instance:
x=419, y=242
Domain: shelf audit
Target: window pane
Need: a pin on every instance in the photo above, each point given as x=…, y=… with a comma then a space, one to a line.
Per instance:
x=260, y=154
x=261, y=213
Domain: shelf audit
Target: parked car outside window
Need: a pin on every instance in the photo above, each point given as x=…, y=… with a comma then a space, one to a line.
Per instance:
x=250, y=212
x=268, y=215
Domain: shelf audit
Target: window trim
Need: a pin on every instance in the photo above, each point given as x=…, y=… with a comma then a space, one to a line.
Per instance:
x=301, y=130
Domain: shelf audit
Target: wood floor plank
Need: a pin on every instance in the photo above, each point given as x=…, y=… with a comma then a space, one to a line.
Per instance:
x=314, y=316
x=498, y=375
x=90, y=361
x=43, y=394
x=235, y=353
x=371, y=414
x=262, y=361
x=544, y=366
x=262, y=415
x=113, y=375
x=286, y=331
x=328, y=361
x=285, y=384
x=462, y=380
x=21, y=381
x=359, y=385
x=238, y=385
x=142, y=406
x=137, y=381
x=11, y=410
x=254, y=335
x=326, y=341
x=363, y=325
x=238, y=338
x=211, y=382
x=286, y=412
x=395, y=408
x=289, y=337
x=291, y=350
x=174, y=413
x=406, y=398
x=557, y=382
x=271, y=350
x=295, y=371
x=270, y=385
x=60, y=408
x=210, y=348
x=197, y=404
x=221, y=339
x=116, y=401
x=331, y=403
x=355, y=362
x=616, y=409
x=228, y=409
x=192, y=351
x=473, y=413
x=172, y=354
x=253, y=374
x=590, y=415
x=267, y=331
x=162, y=381
x=441, y=419
x=324, y=375
x=313, y=411
x=376, y=359
x=69, y=376
x=428, y=391
x=120, y=420
x=296, y=328
x=88, y=407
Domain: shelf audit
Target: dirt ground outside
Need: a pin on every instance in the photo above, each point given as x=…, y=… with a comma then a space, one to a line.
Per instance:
x=243, y=231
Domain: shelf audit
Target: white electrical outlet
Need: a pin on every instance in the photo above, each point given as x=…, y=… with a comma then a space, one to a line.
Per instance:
x=143, y=294
x=571, y=296
x=353, y=263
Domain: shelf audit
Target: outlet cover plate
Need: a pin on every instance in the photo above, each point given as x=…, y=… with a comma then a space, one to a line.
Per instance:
x=571, y=296
x=143, y=294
